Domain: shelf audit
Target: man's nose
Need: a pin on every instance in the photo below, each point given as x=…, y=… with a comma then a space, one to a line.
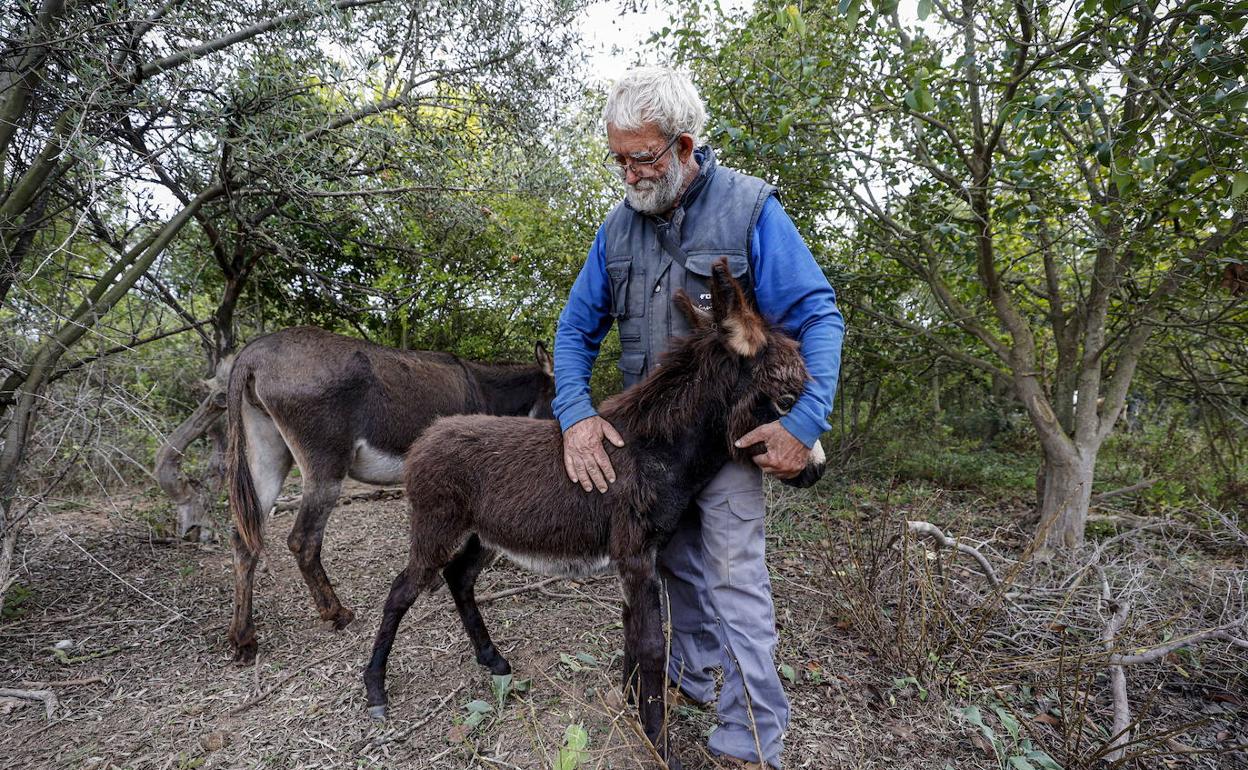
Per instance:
x=630, y=174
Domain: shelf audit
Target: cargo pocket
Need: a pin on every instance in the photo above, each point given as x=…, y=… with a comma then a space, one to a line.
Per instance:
x=735, y=545
x=632, y=365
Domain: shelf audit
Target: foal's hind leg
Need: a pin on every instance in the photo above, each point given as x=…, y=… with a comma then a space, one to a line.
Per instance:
x=403, y=592
x=320, y=494
x=461, y=578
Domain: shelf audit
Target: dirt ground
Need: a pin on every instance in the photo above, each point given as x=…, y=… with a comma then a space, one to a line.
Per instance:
x=129, y=633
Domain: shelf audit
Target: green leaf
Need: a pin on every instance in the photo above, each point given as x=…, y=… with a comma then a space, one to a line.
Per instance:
x=925, y=9
x=1042, y=759
x=788, y=672
x=1200, y=175
x=587, y=659
x=1008, y=722
x=1147, y=164
x=501, y=684
x=851, y=9
x=1021, y=763
x=479, y=707
x=785, y=124
x=572, y=753
x=1239, y=184
x=1123, y=182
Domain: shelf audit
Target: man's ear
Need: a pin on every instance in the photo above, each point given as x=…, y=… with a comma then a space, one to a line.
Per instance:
x=685, y=147
x=544, y=359
x=697, y=317
x=743, y=328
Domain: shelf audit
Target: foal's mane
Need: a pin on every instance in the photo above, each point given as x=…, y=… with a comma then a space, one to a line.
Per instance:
x=695, y=370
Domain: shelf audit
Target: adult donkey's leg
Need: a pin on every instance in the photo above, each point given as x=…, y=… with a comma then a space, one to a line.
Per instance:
x=267, y=460
x=403, y=592
x=461, y=578
x=643, y=644
x=320, y=493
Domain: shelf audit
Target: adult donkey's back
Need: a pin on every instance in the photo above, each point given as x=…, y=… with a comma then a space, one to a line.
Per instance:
x=339, y=407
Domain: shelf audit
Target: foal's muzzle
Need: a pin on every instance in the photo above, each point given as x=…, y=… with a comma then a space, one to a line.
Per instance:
x=813, y=471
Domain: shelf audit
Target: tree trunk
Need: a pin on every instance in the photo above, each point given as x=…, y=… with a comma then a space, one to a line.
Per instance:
x=1064, y=504
x=190, y=496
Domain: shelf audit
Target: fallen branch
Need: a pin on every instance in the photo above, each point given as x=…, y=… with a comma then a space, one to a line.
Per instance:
x=384, y=493
x=1119, y=733
x=534, y=586
x=1157, y=653
x=47, y=696
x=65, y=683
x=925, y=529
x=1139, y=486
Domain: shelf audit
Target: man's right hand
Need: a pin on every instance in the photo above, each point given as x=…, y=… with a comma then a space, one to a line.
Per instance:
x=584, y=457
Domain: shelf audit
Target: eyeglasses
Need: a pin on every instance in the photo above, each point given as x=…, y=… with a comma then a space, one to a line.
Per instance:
x=618, y=163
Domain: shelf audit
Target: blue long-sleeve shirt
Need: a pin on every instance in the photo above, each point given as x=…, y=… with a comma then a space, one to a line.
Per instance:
x=790, y=289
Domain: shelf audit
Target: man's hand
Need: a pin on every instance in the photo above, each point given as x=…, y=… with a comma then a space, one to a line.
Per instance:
x=785, y=456
x=584, y=457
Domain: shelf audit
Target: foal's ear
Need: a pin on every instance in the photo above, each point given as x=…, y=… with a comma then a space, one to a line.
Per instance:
x=544, y=359
x=745, y=332
x=698, y=318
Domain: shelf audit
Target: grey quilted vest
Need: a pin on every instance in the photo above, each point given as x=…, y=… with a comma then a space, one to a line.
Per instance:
x=716, y=219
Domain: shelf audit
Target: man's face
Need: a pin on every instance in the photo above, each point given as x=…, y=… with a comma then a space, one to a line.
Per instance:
x=654, y=188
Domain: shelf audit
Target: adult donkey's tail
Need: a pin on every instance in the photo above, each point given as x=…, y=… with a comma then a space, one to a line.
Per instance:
x=244, y=503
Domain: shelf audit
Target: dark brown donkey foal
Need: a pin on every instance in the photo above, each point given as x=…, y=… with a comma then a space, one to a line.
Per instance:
x=482, y=484
x=341, y=407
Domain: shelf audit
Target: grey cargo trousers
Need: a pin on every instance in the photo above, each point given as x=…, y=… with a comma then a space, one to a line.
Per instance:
x=719, y=595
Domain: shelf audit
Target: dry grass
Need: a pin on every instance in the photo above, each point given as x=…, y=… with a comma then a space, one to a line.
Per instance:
x=155, y=688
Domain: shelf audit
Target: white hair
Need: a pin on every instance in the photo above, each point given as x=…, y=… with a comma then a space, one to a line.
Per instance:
x=656, y=95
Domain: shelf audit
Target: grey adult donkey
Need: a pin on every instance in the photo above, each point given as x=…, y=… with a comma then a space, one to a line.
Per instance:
x=338, y=407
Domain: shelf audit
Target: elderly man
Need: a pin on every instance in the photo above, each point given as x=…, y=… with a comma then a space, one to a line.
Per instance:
x=681, y=212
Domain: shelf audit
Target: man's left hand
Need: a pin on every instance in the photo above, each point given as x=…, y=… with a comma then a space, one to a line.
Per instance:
x=785, y=456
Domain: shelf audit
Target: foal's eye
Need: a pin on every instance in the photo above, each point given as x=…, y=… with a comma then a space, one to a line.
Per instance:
x=785, y=403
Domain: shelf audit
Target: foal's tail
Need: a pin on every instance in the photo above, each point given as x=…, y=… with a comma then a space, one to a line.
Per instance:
x=244, y=505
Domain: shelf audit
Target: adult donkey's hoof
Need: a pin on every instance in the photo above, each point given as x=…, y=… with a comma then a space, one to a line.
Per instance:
x=378, y=713
x=245, y=651
x=340, y=619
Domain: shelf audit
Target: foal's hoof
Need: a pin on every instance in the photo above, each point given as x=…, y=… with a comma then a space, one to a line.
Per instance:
x=378, y=713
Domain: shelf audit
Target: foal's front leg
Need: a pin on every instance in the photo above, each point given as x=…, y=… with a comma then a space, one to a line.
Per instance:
x=644, y=648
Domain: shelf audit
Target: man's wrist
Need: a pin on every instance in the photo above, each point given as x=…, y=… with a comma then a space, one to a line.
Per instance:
x=576, y=413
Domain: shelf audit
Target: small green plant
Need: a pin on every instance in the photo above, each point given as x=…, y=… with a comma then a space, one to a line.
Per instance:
x=573, y=752
x=1018, y=753
x=14, y=600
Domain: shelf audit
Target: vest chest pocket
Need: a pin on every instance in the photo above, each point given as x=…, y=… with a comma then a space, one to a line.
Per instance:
x=698, y=272
x=628, y=295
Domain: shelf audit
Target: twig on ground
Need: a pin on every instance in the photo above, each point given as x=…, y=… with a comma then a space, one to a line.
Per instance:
x=46, y=696
x=66, y=682
x=123, y=581
x=266, y=692
x=534, y=586
x=402, y=736
x=926, y=529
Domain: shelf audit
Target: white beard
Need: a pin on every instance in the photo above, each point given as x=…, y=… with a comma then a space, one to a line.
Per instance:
x=657, y=195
